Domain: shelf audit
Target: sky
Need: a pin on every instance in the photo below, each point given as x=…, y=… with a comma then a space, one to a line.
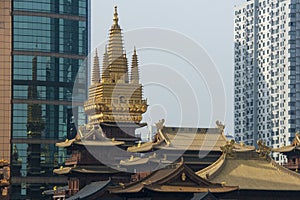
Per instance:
x=167, y=76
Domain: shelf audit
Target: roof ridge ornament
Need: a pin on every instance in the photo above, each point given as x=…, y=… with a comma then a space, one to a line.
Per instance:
x=220, y=125
x=227, y=149
x=296, y=141
x=263, y=150
x=160, y=124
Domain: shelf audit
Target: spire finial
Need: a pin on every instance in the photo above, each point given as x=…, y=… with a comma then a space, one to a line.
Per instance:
x=96, y=69
x=116, y=18
x=134, y=68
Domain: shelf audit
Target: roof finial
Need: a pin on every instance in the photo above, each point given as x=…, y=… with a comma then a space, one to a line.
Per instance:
x=96, y=69
x=116, y=18
x=134, y=52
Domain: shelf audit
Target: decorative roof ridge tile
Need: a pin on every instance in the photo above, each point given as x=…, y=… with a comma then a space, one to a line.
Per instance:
x=294, y=145
x=213, y=169
x=283, y=169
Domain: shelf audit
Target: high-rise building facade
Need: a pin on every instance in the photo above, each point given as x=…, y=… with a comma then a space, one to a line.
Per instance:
x=267, y=72
x=43, y=44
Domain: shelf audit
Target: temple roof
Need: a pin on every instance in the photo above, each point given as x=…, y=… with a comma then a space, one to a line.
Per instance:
x=204, y=139
x=250, y=170
x=62, y=170
x=90, y=189
x=174, y=178
x=87, y=170
x=66, y=143
x=90, y=136
x=294, y=146
x=161, y=139
x=193, y=139
x=59, y=189
x=132, y=161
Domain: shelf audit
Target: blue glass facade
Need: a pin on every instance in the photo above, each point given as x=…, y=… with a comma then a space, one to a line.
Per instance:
x=49, y=43
x=72, y=7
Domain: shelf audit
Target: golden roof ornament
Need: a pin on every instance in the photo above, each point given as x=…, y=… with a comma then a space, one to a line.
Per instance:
x=263, y=150
x=183, y=177
x=160, y=124
x=220, y=125
x=122, y=185
x=228, y=148
x=296, y=141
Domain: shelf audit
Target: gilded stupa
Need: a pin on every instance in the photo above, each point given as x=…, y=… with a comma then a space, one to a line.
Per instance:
x=115, y=101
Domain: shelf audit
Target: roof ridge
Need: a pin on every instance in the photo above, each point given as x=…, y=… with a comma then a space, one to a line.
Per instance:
x=164, y=137
x=215, y=167
x=283, y=169
x=153, y=173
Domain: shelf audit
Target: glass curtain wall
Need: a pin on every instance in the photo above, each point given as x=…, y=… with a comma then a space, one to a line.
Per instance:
x=50, y=42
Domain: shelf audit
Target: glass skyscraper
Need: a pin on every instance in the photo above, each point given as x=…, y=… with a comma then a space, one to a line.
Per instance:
x=43, y=44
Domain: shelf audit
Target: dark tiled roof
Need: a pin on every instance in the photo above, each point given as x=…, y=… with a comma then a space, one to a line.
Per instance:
x=90, y=136
x=174, y=178
x=90, y=189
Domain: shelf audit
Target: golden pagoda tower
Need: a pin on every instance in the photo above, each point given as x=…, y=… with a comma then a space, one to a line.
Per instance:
x=115, y=102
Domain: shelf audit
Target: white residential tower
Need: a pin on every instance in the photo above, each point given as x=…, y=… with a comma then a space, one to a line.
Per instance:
x=267, y=72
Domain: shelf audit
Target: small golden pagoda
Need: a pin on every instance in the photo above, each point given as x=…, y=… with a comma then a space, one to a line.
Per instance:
x=114, y=101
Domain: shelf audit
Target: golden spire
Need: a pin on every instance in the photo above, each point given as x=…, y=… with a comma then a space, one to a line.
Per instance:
x=105, y=68
x=117, y=59
x=134, y=68
x=116, y=18
x=127, y=104
x=96, y=69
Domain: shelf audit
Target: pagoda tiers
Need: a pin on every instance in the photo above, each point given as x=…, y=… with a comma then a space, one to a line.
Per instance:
x=114, y=108
x=4, y=179
x=254, y=172
x=84, y=165
x=115, y=101
x=292, y=152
